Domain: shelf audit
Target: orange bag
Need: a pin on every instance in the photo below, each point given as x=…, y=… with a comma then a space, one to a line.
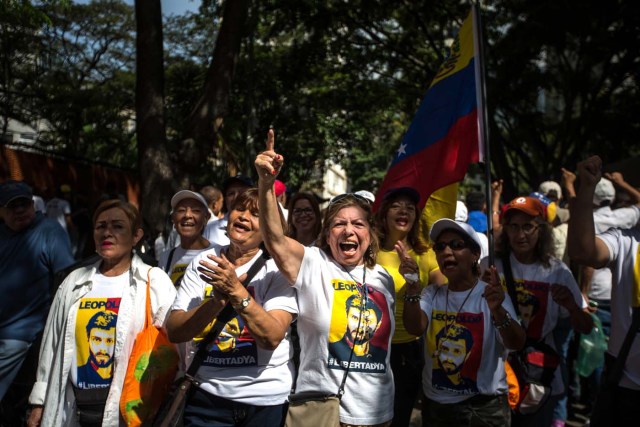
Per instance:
x=151, y=370
x=514, y=386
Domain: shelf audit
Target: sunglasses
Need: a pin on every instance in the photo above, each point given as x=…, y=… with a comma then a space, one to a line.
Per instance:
x=346, y=195
x=455, y=245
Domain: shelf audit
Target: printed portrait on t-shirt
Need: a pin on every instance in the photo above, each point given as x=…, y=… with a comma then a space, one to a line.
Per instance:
x=532, y=304
x=177, y=272
x=234, y=346
x=96, y=341
x=455, y=343
x=359, y=324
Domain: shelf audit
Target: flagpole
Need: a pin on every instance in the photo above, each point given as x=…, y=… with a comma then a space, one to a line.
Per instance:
x=483, y=124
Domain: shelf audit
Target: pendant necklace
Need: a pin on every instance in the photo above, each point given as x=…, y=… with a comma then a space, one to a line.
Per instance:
x=447, y=325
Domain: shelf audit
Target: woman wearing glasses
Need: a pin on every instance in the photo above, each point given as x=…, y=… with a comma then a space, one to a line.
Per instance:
x=397, y=224
x=304, y=218
x=544, y=287
x=469, y=329
x=345, y=301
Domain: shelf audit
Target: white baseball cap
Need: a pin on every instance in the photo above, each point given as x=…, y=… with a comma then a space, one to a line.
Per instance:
x=461, y=227
x=604, y=192
x=186, y=194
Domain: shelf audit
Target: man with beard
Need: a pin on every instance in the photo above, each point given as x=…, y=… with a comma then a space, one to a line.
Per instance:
x=363, y=320
x=453, y=345
x=101, y=333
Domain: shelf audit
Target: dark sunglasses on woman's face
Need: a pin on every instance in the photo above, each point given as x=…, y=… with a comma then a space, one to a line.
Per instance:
x=455, y=245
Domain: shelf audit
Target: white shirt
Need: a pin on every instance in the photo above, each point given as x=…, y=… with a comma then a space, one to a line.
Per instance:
x=472, y=345
x=324, y=288
x=236, y=368
x=623, y=262
x=216, y=231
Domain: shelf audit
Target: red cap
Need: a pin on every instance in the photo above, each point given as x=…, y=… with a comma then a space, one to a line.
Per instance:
x=529, y=205
x=279, y=187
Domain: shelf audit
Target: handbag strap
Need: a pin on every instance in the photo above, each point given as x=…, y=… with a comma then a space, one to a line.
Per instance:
x=227, y=313
x=508, y=277
x=148, y=319
x=618, y=365
x=167, y=266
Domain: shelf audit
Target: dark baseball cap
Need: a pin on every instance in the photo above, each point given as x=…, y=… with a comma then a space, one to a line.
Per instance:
x=410, y=192
x=240, y=179
x=12, y=190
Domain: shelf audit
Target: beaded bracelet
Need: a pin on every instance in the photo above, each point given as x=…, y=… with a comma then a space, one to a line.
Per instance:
x=412, y=298
x=504, y=324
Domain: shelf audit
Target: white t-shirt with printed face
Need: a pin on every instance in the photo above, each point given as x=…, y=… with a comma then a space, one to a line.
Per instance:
x=179, y=262
x=464, y=353
x=236, y=368
x=539, y=313
x=95, y=332
x=623, y=256
x=331, y=302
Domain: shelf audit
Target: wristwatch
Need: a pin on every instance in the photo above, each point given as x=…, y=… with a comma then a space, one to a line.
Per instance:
x=244, y=303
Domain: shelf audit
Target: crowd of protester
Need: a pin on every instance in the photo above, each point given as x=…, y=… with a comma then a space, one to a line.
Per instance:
x=344, y=301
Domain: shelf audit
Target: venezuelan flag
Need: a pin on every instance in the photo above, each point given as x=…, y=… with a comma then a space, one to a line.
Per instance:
x=444, y=136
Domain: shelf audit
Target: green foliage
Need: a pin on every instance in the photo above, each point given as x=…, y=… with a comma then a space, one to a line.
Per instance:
x=337, y=80
x=77, y=77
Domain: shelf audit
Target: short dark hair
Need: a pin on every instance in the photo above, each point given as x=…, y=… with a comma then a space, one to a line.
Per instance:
x=455, y=332
x=355, y=301
x=102, y=320
x=475, y=200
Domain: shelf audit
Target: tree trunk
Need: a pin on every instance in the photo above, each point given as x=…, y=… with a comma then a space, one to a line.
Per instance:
x=207, y=116
x=155, y=168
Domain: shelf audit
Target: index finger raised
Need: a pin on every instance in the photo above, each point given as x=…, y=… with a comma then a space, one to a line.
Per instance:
x=271, y=139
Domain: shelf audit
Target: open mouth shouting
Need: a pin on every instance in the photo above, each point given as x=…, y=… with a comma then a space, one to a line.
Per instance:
x=348, y=248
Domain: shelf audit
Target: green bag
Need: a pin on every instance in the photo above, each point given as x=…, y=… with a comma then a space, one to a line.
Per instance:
x=592, y=348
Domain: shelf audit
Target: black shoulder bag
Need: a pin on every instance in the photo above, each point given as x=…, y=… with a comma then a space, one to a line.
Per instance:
x=171, y=411
x=534, y=366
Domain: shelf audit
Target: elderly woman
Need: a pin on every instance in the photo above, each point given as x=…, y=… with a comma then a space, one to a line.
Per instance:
x=469, y=328
x=544, y=287
x=304, y=219
x=397, y=227
x=346, y=301
x=92, y=325
x=247, y=374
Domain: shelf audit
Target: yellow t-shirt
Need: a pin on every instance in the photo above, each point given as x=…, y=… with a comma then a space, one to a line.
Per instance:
x=391, y=262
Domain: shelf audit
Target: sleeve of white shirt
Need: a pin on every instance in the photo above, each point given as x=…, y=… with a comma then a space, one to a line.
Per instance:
x=191, y=290
x=278, y=294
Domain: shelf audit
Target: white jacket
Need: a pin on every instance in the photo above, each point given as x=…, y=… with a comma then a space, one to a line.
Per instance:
x=53, y=388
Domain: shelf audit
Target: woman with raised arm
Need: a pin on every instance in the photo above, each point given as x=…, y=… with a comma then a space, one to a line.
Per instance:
x=345, y=301
x=469, y=327
x=544, y=288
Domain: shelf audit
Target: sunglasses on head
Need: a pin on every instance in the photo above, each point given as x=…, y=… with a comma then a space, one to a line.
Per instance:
x=455, y=245
x=346, y=195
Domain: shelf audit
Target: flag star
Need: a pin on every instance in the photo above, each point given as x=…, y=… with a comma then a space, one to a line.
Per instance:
x=401, y=150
